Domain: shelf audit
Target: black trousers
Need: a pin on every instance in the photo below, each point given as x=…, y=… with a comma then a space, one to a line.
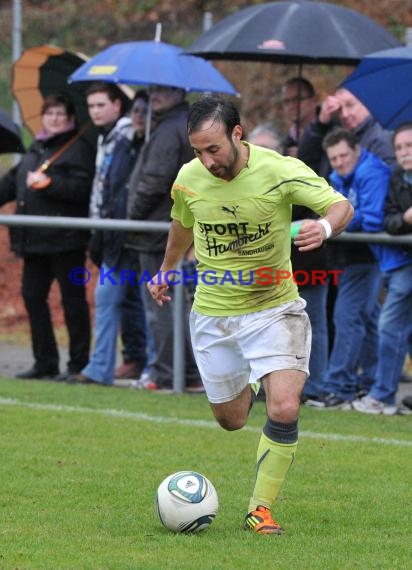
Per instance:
x=39, y=272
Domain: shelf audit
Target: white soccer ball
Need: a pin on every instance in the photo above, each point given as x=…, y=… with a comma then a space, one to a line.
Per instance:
x=186, y=502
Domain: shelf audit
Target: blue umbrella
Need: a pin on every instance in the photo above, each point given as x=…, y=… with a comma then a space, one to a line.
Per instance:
x=153, y=63
x=382, y=82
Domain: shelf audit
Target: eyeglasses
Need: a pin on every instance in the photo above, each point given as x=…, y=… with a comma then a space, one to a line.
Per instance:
x=295, y=100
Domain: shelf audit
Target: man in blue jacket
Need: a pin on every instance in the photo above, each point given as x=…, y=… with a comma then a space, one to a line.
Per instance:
x=395, y=323
x=362, y=177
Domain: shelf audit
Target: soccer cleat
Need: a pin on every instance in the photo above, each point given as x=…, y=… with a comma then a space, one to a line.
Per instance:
x=369, y=405
x=261, y=522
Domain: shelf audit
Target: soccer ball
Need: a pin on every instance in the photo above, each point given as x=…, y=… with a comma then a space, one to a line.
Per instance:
x=186, y=502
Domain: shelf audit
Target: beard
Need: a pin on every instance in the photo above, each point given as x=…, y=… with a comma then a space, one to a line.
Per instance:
x=227, y=171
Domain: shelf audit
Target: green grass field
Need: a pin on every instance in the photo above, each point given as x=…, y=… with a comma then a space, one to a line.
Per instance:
x=80, y=465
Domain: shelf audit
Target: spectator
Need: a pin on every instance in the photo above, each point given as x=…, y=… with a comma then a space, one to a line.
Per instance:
x=268, y=136
x=59, y=187
x=149, y=199
x=362, y=177
x=300, y=108
x=299, y=102
x=344, y=109
x=395, y=323
x=118, y=148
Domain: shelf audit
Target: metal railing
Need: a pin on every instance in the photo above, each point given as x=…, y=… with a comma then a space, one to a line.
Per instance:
x=139, y=226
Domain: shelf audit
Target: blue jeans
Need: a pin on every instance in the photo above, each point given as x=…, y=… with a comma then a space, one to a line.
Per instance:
x=355, y=317
x=109, y=299
x=315, y=298
x=395, y=330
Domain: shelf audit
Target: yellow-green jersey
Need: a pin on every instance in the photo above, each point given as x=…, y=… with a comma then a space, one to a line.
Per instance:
x=241, y=229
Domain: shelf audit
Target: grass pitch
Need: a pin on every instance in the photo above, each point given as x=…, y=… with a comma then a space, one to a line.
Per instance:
x=80, y=465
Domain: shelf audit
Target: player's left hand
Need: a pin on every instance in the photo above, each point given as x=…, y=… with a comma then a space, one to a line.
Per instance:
x=310, y=236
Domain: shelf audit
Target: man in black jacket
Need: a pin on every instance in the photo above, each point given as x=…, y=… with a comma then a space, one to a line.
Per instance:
x=149, y=199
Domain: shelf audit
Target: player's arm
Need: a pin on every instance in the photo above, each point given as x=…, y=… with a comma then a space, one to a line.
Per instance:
x=313, y=232
x=178, y=242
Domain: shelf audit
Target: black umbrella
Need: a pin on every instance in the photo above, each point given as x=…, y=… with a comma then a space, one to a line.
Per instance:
x=10, y=140
x=296, y=31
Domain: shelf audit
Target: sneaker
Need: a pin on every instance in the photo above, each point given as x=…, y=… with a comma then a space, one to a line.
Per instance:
x=144, y=383
x=369, y=405
x=261, y=522
x=333, y=402
x=313, y=401
x=195, y=388
x=361, y=393
x=81, y=379
x=405, y=378
x=407, y=402
x=128, y=370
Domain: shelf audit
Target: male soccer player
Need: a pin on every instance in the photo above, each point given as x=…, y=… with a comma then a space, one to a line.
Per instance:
x=234, y=200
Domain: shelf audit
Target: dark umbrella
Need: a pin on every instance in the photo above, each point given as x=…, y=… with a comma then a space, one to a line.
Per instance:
x=297, y=31
x=294, y=32
x=10, y=140
x=382, y=83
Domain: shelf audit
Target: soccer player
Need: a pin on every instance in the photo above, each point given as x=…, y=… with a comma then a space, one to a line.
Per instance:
x=234, y=200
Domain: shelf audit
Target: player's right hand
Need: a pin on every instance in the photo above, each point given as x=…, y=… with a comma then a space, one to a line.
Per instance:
x=158, y=292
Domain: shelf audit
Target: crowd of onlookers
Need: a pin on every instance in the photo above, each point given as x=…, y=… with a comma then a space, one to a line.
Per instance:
x=361, y=327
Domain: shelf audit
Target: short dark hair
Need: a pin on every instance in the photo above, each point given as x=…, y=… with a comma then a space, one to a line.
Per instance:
x=216, y=108
x=112, y=91
x=337, y=135
x=57, y=99
x=406, y=126
x=306, y=86
x=141, y=94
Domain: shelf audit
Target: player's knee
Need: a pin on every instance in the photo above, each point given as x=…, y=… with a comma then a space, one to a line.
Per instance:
x=230, y=423
x=285, y=411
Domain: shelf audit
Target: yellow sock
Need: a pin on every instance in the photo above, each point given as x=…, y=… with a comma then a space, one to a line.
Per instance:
x=273, y=462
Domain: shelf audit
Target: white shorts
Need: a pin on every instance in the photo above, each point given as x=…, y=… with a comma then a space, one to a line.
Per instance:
x=231, y=352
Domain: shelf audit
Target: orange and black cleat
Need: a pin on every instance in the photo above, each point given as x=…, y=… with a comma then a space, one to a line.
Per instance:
x=261, y=522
